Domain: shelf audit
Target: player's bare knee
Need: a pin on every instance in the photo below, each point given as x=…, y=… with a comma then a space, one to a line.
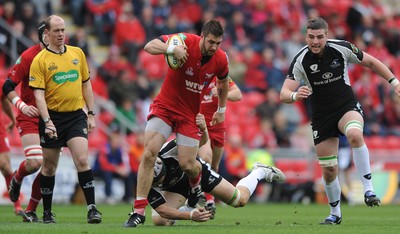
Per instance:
x=354, y=133
x=190, y=169
x=355, y=138
x=82, y=163
x=33, y=165
x=49, y=170
x=329, y=174
x=241, y=203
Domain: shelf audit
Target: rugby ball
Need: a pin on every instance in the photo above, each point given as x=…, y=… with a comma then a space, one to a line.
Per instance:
x=171, y=61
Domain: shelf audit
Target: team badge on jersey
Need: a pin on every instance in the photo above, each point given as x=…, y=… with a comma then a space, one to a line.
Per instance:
x=52, y=67
x=354, y=48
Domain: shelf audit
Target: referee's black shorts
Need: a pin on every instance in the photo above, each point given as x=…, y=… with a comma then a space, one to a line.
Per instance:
x=68, y=125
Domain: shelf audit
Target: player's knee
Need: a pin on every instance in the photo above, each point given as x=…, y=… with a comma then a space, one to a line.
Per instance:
x=236, y=199
x=82, y=163
x=49, y=169
x=33, y=165
x=329, y=174
x=355, y=138
x=354, y=133
x=241, y=203
x=191, y=169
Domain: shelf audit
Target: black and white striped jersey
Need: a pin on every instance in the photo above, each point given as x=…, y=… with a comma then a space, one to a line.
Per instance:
x=327, y=76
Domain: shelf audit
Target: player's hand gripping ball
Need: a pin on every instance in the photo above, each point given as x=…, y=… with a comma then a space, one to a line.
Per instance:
x=172, y=62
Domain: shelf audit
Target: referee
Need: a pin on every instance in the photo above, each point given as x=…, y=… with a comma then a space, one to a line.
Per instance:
x=60, y=78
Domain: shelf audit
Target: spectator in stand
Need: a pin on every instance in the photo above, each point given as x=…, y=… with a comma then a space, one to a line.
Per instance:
x=114, y=64
x=104, y=13
x=171, y=25
x=189, y=14
x=135, y=155
x=391, y=116
x=99, y=85
x=239, y=30
x=109, y=164
x=235, y=158
x=148, y=22
x=5, y=165
x=270, y=105
x=366, y=89
x=28, y=17
x=273, y=75
x=129, y=33
x=282, y=129
x=127, y=110
x=78, y=9
x=237, y=68
x=162, y=10
x=266, y=137
x=80, y=40
x=8, y=12
x=123, y=87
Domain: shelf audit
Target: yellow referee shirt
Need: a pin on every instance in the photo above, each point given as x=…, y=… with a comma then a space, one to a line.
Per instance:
x=61, y=76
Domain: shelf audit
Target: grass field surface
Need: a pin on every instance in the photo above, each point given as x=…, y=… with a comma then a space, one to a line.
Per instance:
x=254, y=218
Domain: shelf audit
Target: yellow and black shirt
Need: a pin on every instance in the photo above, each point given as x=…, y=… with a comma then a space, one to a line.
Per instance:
x=61, y=76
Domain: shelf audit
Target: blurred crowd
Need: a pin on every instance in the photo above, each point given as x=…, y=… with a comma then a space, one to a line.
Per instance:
x=262, y=36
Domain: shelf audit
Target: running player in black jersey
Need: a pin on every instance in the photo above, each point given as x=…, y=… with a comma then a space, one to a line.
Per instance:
x=322, y=66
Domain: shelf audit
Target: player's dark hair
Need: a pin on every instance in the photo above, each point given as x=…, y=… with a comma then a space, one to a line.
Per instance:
x=213, y=27
x=317, y=23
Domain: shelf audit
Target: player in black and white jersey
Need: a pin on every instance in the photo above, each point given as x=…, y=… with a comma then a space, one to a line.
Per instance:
x=170, y=187
x=320, y=72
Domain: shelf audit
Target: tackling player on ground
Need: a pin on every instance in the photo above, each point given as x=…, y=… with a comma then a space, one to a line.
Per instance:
x=171, y=186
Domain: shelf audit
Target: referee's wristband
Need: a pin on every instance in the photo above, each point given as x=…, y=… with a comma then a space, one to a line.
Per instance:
x=393, y=81
x=221, y=109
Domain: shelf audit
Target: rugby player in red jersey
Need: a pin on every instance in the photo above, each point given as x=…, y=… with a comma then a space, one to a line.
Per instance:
x=5, y=165
x=176, y=106
x=28, y=126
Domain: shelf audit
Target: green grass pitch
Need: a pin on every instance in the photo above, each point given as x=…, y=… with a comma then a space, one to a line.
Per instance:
x=254, y=218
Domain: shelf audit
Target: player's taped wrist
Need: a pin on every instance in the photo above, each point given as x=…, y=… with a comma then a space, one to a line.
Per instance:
x=19, y=103
x=293, y=96
x=221, y=109
x=393, y=81
x=170, y=49
x=191, y=214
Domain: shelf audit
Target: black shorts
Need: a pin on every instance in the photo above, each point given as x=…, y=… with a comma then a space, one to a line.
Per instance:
x=68, y=125
x=209, y=180
x=325, y=125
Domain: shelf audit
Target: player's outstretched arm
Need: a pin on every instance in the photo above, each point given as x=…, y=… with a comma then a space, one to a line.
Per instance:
x=170, y=213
